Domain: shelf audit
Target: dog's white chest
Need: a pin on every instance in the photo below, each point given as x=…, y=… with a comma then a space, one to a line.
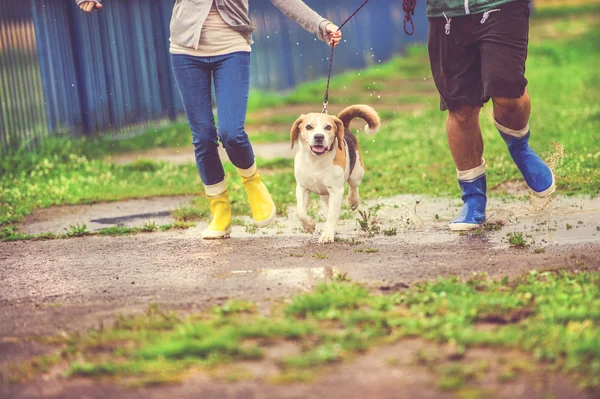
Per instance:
x=317, y=174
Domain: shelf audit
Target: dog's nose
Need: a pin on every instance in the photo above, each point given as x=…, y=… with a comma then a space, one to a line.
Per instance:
x=319, y=138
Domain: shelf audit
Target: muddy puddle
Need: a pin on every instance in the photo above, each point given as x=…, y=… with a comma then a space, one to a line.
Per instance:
x=423, y=220
x=413, y=219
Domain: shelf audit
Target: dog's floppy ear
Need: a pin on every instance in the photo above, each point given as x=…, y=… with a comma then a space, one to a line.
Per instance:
x=340, y=132
x=295, y=132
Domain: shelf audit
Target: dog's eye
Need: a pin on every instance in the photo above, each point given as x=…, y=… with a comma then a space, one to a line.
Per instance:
x=309, y=127
x=328, y=127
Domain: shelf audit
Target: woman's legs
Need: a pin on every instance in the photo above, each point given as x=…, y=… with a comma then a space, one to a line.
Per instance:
x=193, y=76
x=232, y=86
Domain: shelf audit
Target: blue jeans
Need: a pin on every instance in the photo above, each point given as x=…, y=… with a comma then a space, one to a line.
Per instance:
x=231, y=76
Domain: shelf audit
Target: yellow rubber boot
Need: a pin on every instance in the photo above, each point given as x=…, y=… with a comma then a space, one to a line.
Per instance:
x=220, y=225
x=261, y=203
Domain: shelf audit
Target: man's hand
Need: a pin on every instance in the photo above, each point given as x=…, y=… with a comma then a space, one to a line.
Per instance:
x=89, y=6
x=335, y=36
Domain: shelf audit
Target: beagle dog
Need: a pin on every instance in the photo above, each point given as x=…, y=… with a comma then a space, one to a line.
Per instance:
x=328, y=156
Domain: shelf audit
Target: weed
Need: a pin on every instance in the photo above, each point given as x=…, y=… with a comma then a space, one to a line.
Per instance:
x=367, y=250
x=149, y=227
x=181, y=225
x=517, y=239
x=492, y=226
x=251, y=229
x=238, y=222
x=369, y=223
x=188, y=213
x=457, y=375
x=480, y=232
x=348, y=241
x=166, y=227
x=235, y=306
x=540, y=250
x=569, y=227
x=10, y=233
x=392, y=231
x=79, y=230
x=117, y=231
x=320, y=256
x=296, y=255
x=341, y=277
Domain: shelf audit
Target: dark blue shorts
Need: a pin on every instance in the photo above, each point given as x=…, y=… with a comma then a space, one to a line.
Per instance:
x=480, y=56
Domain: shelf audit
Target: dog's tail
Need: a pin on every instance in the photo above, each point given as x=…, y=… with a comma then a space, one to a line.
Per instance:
x=365, y=112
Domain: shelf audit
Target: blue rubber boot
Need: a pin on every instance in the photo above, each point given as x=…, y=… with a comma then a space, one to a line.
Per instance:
x=537, y=174
x=473, y=186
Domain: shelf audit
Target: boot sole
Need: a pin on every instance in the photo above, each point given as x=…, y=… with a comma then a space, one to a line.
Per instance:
x=267, y=221
x=216, y=235
x=463, y=226
x=547, y=192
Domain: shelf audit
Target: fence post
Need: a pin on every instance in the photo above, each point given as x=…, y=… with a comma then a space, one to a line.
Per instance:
x=79, y=65
x=41, y=48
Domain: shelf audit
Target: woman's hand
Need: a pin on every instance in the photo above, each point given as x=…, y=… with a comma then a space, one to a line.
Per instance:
x=334, y=35
x=89, y=6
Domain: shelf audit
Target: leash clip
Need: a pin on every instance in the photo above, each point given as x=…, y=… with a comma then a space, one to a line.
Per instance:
x=325, y=104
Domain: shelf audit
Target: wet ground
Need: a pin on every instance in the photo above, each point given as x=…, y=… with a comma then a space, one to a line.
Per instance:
x=74, y=284
x=44, y=284
x=71, y=285
x=49, y=287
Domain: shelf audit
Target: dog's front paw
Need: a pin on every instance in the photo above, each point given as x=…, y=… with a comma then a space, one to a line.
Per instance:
x=327, y=238
x=308, y=224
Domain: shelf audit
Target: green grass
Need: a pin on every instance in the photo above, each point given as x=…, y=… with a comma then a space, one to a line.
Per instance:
x=554, y=316
x=517, y=240
x=10, y=233
x=565, y=91
x=117, y=231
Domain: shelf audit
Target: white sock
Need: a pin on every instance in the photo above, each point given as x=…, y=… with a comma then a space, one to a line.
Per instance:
x=515, y=133
x=471, y=174
x=251, y=171
x=216, y=190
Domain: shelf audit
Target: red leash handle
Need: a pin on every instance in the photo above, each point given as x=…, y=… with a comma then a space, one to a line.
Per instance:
x=408, y=6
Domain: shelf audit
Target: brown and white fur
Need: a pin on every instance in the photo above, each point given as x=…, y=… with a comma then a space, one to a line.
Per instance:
x=323, y=162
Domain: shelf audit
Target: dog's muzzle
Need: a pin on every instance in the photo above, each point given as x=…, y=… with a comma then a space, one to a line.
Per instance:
x=317, y=147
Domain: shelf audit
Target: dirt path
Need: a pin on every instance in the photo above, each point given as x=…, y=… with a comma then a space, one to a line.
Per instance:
x=75, y=284
x=43, y=282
